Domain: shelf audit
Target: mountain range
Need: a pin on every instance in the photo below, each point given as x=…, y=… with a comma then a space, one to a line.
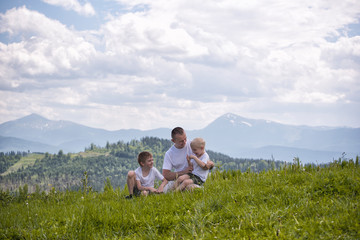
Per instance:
x=230, y=134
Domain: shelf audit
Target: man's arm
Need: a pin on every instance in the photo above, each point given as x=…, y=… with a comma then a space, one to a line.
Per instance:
x=170, y=176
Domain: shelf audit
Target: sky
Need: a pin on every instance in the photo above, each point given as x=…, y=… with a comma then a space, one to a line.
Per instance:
x=146, y=64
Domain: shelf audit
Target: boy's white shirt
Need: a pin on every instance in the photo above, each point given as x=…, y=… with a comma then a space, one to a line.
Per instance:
x=198, y=171
x=149, y=180
x=176, y=158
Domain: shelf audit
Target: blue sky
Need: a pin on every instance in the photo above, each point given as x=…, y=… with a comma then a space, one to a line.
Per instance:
x=143, y=64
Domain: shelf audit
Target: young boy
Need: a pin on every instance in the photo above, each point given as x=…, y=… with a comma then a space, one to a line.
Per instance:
x=141, y=181
x=201, y=163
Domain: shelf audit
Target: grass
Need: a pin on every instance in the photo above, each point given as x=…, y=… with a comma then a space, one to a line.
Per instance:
x=90, y=154
x=293, y=203
x=24, y=162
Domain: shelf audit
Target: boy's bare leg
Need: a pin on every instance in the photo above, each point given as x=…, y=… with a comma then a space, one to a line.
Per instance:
x=131, y=181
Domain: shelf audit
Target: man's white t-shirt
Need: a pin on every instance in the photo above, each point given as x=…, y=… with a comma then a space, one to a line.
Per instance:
x=198, y=171
x=149, y=180
x=176, y=158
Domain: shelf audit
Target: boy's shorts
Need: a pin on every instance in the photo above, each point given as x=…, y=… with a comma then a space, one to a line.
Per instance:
x=197, y=180
x=136, y=191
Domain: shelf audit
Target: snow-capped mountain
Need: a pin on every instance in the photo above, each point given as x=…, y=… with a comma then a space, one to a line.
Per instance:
x=229, y=134
x=243, y=137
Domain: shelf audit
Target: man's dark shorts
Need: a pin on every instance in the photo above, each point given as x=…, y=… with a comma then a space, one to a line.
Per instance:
x=197, y=180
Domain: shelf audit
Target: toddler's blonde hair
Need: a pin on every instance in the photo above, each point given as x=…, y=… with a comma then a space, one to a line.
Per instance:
x=197, y=142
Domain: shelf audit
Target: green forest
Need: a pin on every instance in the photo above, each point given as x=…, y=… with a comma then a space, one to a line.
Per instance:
x=109, y=163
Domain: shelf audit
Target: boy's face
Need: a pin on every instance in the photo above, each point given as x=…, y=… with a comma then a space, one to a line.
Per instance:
x=149, y=163
x=179, y=141
x=198, y=151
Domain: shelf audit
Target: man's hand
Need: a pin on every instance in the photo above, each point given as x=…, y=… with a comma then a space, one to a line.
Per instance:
x=190, y=165
x=189, y=169
x=160, y=190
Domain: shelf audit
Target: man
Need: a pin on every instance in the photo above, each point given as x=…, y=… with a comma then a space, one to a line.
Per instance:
x=175, y=157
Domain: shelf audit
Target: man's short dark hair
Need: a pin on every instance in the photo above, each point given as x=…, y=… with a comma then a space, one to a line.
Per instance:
x=177, y=130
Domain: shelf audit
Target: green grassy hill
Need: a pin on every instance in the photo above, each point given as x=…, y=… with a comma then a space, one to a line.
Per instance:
x=296, y=202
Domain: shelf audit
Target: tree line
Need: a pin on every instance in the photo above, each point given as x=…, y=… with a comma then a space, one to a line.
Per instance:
x=109, y=163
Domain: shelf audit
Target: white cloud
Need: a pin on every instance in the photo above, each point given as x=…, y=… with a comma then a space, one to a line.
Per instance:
x=149, y=35
x=189, y=59
x=344, y=53
x=86, y=9
x=47, y=47
x=27, y=23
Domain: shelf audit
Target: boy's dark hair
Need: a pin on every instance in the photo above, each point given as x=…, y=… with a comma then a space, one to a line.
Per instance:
x=177, y=130
x=143, y=156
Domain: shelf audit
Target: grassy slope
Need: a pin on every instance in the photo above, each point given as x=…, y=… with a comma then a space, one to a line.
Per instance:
x=31, y=158
x=288, y=204
x=24, y=162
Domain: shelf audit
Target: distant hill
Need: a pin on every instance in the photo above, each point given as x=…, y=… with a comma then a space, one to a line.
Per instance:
x=65, y=135
x=8, y=144
x=230, y=134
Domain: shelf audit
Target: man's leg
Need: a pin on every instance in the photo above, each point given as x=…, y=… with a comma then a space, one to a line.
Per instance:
x=169, y=186
x=192, y=186
x=184, y=184
x=180, y=180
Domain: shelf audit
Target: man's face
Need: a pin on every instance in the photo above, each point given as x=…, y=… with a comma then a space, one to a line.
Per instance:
x=179, y=141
